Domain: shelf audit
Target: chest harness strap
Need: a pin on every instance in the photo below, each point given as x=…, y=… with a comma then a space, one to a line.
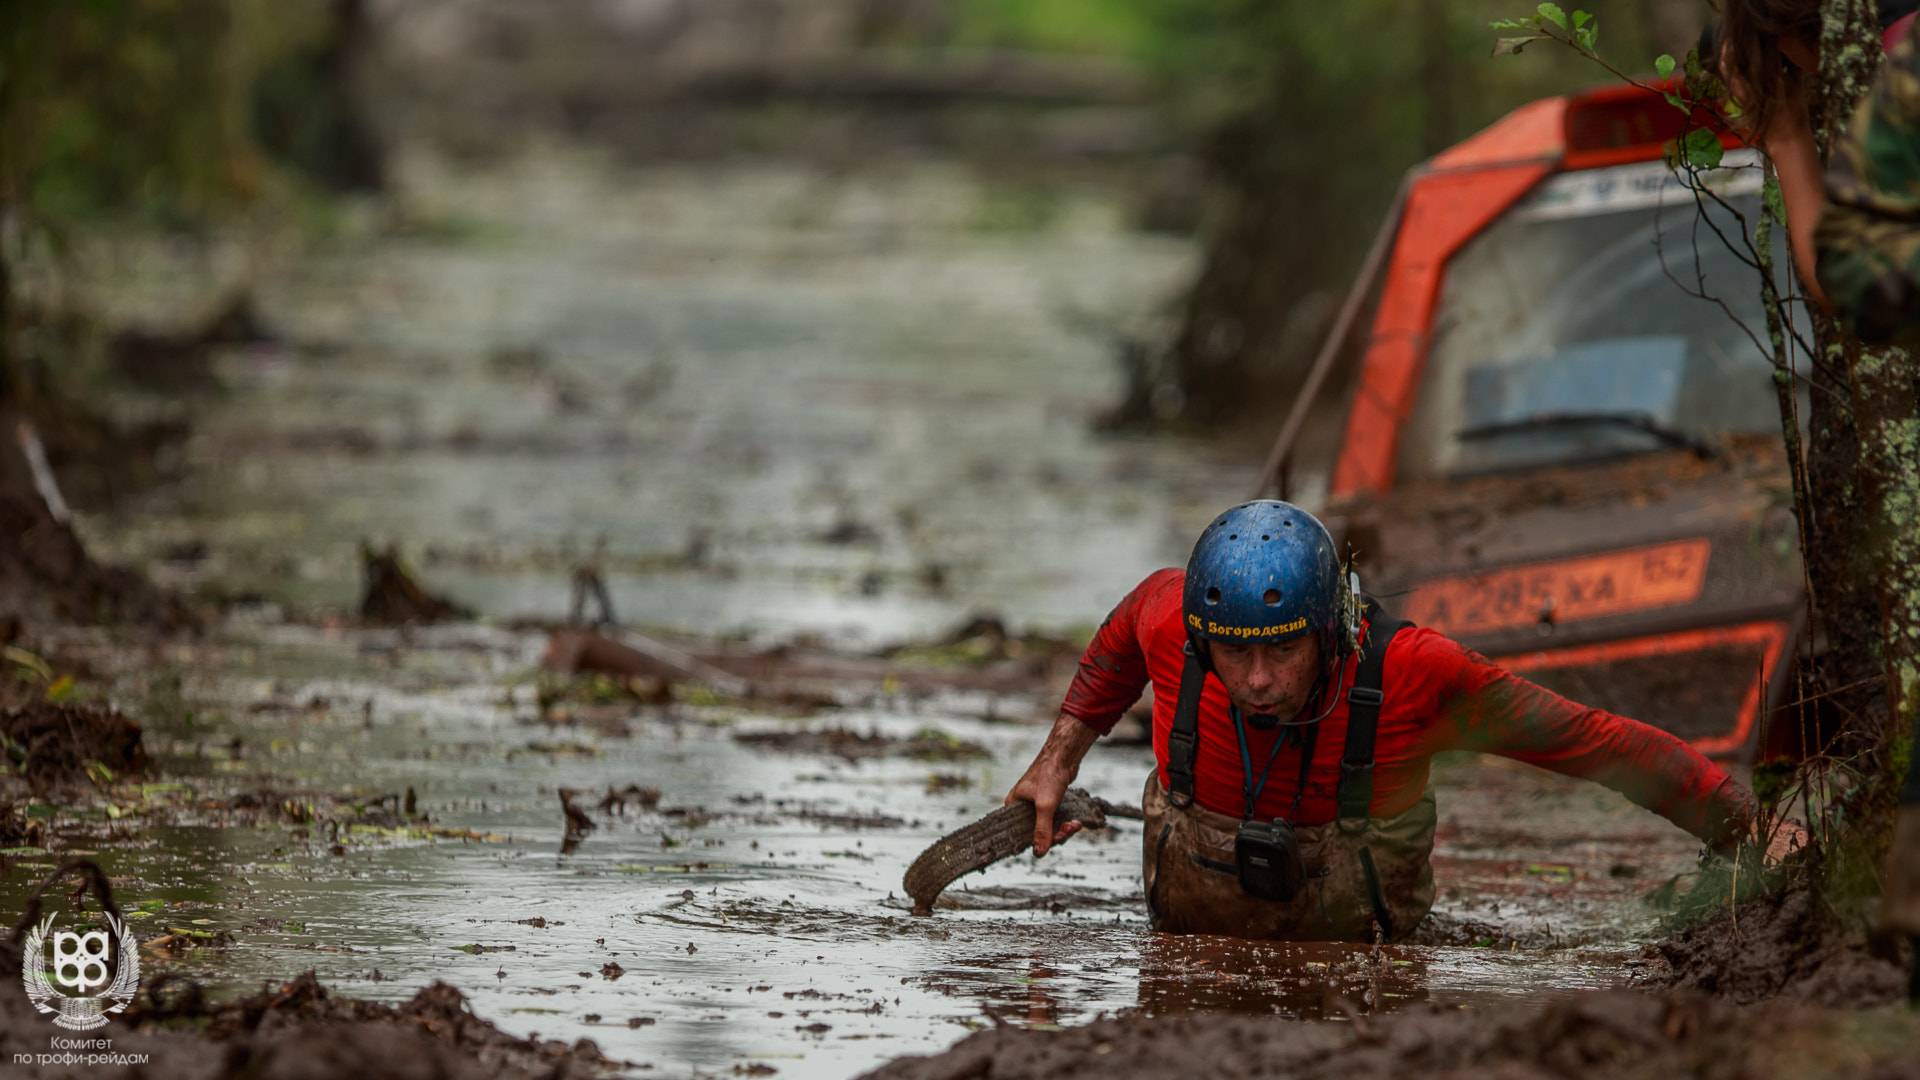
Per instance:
x=1355, y=793
x=1364, y=700
x=1363, y=719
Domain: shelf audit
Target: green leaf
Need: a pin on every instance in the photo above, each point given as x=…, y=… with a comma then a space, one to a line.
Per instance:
x=1511, y=46
x=1701, y=149
x=1514, y=24
x=1580, y=19
x=1675, y=101
x=1664, y=65
x=1552, y=13
x=1772, y=779
x=1586, y=36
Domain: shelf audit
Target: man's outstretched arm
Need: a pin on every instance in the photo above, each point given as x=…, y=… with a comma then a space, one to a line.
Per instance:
x=1047, y=779
x=1491, y=710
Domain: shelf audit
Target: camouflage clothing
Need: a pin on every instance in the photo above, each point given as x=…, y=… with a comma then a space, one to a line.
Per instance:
x=1869, y=235
x=1193, y=887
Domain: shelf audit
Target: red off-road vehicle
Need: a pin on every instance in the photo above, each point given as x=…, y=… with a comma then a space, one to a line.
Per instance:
x=1556, y=452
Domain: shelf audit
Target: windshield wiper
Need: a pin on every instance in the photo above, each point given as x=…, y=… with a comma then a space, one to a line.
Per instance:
x=1638, y=421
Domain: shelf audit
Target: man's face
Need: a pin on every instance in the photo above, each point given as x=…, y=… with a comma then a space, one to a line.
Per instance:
x=1268, y=679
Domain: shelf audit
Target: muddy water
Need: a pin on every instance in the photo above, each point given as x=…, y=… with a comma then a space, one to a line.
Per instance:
x=754, y=916
x=775, y=401
x=779, y=405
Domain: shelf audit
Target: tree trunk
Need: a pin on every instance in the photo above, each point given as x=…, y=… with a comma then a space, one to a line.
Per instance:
x=1863, y=548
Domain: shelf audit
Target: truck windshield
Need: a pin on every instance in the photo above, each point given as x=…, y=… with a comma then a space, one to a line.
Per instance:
x=1559, y=336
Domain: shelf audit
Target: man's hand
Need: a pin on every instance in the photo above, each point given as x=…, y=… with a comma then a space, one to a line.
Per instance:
x=1047, y=779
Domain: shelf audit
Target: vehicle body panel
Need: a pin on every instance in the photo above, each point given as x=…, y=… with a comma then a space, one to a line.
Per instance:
x=1663, y=584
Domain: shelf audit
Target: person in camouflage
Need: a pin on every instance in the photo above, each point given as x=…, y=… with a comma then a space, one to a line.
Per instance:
x=1868, y=247
x=1868, y=242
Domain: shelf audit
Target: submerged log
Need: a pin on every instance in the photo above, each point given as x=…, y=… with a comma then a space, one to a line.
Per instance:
x=572, y=651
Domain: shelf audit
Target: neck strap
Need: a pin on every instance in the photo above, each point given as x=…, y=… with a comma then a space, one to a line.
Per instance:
x=1306, y=738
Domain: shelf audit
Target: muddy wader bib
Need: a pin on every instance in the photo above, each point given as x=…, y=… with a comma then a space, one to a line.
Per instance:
x=1362, y=872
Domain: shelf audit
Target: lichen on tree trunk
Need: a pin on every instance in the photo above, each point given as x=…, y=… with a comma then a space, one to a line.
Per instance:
x=1863, y=544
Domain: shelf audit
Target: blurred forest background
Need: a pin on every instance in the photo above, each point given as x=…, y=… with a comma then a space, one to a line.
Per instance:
x=1272, y=131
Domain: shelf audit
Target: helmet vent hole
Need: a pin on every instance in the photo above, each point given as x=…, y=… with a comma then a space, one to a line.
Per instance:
x=1213, y=595
x=1266, y=538
x=1272, y=597
x=1289, y=524
x=1234, y=536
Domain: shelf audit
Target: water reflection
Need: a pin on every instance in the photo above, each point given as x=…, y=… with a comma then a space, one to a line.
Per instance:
x=1301, y=981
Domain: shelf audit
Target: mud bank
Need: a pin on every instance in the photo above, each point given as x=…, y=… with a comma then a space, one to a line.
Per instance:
x=1786, y=946
x=293, y=1031
x=47, y=745
x=46, y=575
x=1615, y=1034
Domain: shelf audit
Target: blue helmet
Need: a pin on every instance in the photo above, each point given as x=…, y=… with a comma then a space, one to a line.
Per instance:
x=1265, y=571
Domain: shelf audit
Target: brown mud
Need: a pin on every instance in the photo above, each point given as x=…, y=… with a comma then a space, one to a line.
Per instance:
x=297, y=1030
x=393, y=598
x=17, y=829
x=598, y=677
x=927, y=744
x=1786, y=945
x=46, y=573
x=100, y=455
x=1612, y=1034
x=978, y=655
x=102, y=462
x=45, y=745
x=181, y=358
x=1481, y=852
x=47, y=576
x=262, y=806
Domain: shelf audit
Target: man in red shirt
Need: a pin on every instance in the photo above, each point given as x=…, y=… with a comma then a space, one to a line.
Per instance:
x=1294, y=727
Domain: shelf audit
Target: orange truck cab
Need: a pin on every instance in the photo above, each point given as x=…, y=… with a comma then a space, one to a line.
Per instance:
x=1564, y=445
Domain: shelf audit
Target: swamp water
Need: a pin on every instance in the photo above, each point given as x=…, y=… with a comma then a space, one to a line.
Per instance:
x=774, y=406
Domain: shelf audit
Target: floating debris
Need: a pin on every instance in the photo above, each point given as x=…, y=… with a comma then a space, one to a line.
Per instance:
x=393, y=598
x=578, y=823
x=928, y=744
x=646, y=798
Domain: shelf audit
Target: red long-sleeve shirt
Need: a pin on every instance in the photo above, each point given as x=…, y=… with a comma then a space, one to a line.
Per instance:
x=1439, y=696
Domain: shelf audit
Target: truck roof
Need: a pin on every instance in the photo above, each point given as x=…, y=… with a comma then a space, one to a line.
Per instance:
x=1448, y=201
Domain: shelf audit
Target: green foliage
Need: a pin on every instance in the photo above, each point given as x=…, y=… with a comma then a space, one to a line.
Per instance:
x=1111, y=27
x=1704, y=84
x=1699, y=148
x=1580, y=30
x=1774, y=778
x=115, y=106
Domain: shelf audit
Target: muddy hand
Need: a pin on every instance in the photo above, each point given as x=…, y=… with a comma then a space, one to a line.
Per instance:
x=1043, y=787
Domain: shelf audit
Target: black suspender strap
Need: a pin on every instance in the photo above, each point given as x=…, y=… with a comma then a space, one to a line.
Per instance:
x=1381, y=916
x=1364, y=699
x=1183, y=742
